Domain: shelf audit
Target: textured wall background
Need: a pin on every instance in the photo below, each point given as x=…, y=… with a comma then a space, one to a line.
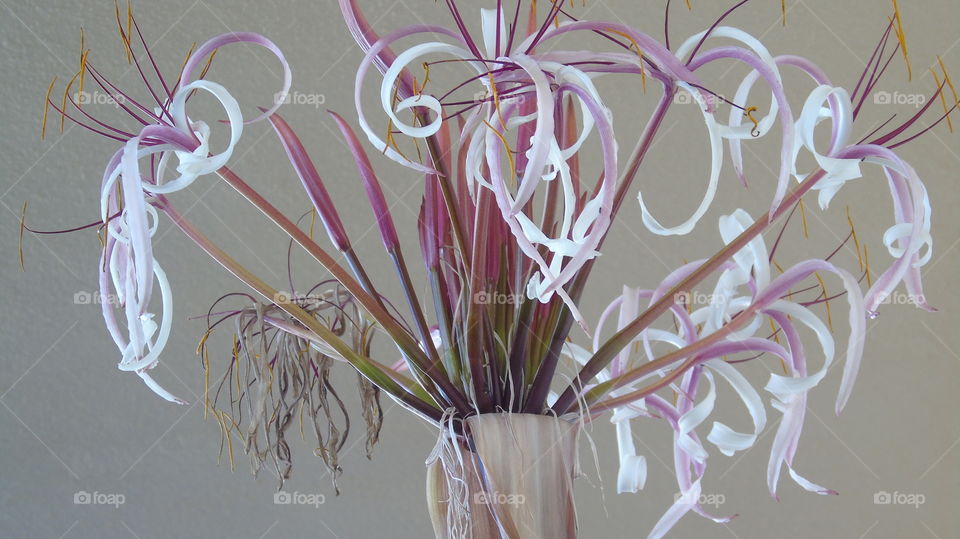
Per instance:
x=72, y=423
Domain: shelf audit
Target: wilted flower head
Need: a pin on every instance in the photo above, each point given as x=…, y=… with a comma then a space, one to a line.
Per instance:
x=129, y=199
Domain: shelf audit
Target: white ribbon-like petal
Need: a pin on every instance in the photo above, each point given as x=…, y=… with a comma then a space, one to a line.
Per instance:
x=727, y=440
x=716, y=163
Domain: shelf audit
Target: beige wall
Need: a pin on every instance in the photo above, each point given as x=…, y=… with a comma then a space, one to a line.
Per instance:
x=71, y=422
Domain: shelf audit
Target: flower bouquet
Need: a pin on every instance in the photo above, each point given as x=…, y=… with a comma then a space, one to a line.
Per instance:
x=524, y=170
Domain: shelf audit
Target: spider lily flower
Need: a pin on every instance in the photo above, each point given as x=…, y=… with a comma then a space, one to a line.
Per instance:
x=128, y=266
x=744, y=297
x=521, y=91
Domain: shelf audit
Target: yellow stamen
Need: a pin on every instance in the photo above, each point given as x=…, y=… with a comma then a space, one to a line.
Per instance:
x=688, y=4
x=203, y=341
x=124, y=36
x=120, y=201
x=634, y=44
x=783, y=11
x=206, y=68
x=748, y=112
x=313, y=221
x=63, y=102
x=46, y=106
x=856, y=242
x=496, y=102
x=506, y=145
x=902, y=38
x=866, y=263
x=773, y=329
x=83, y=57
x=943, y=99
x=83, y=72
x=101, y=237
x=186, y=59
x=202, y=351
x=946, y=77
x=426, y=76
x=803, y=219
x=23, y=225
x=826, y=301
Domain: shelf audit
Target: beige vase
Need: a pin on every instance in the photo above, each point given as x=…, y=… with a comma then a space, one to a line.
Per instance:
x=510, y=476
